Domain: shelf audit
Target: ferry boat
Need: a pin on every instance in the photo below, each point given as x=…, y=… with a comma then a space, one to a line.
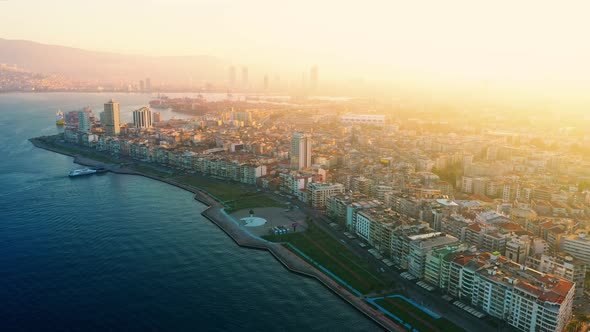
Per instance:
x=84, y=171
x=59, y=118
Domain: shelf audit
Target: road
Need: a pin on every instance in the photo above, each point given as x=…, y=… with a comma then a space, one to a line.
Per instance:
x=431, y=300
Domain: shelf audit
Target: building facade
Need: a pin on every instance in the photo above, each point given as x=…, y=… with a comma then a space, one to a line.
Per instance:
x=525, y=298
x=300, y=151
x=142, y=118
x=318, y=193
x=112, y=118
x=577, y=246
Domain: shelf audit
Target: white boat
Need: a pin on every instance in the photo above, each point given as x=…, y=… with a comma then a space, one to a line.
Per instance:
x=84, y=171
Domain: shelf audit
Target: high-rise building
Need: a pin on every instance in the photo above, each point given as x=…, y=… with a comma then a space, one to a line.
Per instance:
x=265, y=82
x=245, y=77
x=157, y=117
x=141, y=85
x=232, y=76
x=112, y=119
x=148, y=84
x=142, y=118
x=300, y=151
x=313, y=77
x=84, y=124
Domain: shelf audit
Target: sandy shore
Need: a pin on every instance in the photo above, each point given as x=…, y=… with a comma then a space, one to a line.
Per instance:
x=215, y=213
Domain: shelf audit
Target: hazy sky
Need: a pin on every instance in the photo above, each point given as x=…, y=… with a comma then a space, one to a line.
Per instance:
x=516, y=42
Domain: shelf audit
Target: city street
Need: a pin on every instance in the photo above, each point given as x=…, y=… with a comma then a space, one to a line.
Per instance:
x=431, y=300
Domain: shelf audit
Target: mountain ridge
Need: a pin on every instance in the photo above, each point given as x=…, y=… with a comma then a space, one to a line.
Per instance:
x=82, y=64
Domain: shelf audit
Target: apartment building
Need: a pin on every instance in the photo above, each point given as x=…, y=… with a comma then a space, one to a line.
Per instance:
x=527, y=299
x=318, y=193
x=561, y=265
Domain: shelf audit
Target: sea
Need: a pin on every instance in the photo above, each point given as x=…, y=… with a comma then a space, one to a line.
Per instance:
x=125, y=253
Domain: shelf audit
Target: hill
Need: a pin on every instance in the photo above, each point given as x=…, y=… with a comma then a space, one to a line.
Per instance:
x=102, y=66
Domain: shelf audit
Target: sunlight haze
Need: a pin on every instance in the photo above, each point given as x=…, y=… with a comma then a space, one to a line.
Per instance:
x=497, y=45
x=394, y=165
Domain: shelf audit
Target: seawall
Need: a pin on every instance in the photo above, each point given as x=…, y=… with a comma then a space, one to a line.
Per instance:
x=288, y=259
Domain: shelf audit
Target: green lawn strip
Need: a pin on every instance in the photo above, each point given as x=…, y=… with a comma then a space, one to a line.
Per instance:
x=150, y=170
x=352, y=269
x=245, y=202
x=412, y=315
x=222, y=190
x=232, y=194
x=350, y=257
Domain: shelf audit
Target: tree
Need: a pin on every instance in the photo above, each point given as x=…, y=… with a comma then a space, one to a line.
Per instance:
x=449, y=174
x=581, y=317
x=574, y=326
x=583, y=185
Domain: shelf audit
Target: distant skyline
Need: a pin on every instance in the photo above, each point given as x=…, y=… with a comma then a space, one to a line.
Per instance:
x=526, y=45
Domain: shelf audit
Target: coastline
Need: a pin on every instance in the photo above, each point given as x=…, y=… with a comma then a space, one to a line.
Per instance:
x=215, y=213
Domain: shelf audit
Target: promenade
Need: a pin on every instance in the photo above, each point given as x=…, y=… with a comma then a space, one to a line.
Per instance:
x=215, y=213
x=291, y=261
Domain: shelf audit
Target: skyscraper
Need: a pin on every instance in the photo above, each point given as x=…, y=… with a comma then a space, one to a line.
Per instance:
x=300, y=151
x=265, y=82
x=111, y=112
x=232, y=76
x=148, y=84
x=141, y=85
x=142, y=118
x=83, y=122
x=313, y=78
x=245, y=77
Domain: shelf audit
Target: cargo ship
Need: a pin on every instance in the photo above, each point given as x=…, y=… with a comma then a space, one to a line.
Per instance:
x=59, y=118
x=161, y=102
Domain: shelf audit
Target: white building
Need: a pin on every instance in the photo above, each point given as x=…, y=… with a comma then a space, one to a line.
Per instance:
x=467, y=184
x=563, y=266
x=369, y=119
x=527, y=299
x=300, y=151
x=318, y=193
x=518, y=248
x=578, y=246
x=142, y=118
x=423, y=244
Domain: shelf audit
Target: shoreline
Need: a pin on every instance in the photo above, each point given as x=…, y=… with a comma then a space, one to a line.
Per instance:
x=214, y=213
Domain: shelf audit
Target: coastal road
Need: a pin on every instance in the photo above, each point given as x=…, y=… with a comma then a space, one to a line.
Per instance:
x=431, y=300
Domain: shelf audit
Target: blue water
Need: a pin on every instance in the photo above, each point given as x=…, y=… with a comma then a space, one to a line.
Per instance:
x=124, y=253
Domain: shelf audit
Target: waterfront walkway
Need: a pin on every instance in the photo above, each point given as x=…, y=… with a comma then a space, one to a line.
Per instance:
x=291, y=261
x=242, y=237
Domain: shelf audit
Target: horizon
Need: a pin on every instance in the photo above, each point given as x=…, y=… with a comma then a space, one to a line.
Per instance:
x=530, y=51
x=384, y=150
